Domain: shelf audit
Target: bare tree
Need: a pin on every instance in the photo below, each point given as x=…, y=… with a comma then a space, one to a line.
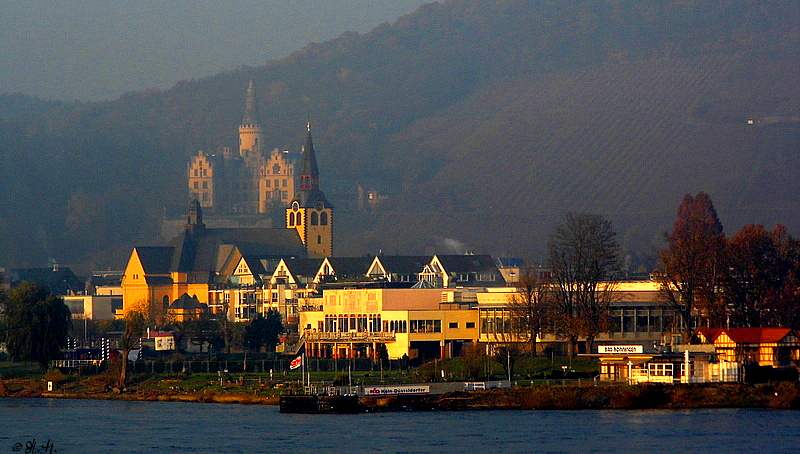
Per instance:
x=531, y=307
x=135, y=323
x=584, y=261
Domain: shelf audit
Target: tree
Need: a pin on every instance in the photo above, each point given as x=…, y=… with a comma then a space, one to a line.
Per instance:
x=135, y=324
x=263, y=331
x=37, y=324
x=760, y=264
x=584, y=261
x=531, y=307
x=689, y=269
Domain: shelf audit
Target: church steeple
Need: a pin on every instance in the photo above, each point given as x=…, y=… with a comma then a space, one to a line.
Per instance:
x=309, y=172
x=195, y=219
x=310, y=213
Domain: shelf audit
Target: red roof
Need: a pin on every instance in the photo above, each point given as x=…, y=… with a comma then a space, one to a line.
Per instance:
x=709, y=333
x=757, y=335
x=160, y=334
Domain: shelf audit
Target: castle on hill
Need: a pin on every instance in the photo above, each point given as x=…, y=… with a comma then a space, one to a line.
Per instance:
x=253, y=180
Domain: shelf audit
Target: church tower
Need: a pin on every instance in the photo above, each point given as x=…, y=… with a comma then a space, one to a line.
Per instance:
x=310, y=213
x=250, y=132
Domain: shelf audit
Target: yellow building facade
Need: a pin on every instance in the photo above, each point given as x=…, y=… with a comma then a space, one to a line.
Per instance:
x=409, y=322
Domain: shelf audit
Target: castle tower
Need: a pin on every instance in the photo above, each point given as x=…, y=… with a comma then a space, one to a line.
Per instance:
x=250, y=132
x=310, y=213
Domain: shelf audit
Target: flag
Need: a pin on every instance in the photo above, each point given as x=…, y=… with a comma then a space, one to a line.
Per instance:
x=297, y=362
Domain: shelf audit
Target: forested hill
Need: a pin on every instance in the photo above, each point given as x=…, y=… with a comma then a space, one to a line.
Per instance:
x=485, y=121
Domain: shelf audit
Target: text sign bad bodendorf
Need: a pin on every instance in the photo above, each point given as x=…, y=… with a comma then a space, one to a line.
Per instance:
x=620, y=349
x=385, y=390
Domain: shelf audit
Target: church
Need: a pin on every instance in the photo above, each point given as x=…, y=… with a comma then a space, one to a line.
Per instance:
x=202, y=258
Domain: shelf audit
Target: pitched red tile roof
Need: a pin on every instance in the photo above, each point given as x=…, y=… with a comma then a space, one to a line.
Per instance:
x=757, y=335
x=709, y=333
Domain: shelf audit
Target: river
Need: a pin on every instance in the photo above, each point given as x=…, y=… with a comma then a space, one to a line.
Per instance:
x=89, y=426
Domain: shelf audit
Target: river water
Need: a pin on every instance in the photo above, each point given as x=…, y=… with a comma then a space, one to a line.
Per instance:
x=88, y=426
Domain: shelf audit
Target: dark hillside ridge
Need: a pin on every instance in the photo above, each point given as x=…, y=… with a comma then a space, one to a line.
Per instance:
x=484, y=120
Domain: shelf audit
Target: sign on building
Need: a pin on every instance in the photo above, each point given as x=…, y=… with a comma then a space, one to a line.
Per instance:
x=620, y=349
x=387, y=390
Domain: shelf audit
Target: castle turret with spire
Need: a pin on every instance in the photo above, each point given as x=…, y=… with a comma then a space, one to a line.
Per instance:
x=250, y=131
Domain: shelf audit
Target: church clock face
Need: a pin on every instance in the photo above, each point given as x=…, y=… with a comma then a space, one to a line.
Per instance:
x=295, y=206
x=319, y=206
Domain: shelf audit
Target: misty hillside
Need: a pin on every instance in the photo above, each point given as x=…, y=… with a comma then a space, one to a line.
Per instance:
x=485, y=121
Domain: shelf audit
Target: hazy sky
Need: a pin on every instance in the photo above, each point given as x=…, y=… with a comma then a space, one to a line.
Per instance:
x=92, y=49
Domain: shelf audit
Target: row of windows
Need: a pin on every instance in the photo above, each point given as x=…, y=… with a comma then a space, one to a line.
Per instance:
x=197, y=185
x=395, y=326
x=277, y=195
x=201, y=172
x=425, y=326
x=316, y=219
x=343, y=323
x=200, y=196
x=468, y=325
x=278, y=183
x=276, y=170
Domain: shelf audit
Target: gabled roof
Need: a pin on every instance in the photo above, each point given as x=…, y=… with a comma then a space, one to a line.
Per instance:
x=254, y=264
x=155, y=260
x=303, y=267
x=467, y=263
x=350, y=266
x=710, y=334
x=757, y=335
x=59, y=281
x=403, y=264
x=203, y=249
x=186, y=302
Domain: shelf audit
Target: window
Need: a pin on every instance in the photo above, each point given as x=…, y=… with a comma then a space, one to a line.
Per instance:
x=283, y=183
x=165, y=301
x=196, y=185
x=425, y=326
x=453, y=325
x=319, y=239
x=298, y=219
x=291, y=218
x=314, y=218
x=205, y=197
x=205, y=185
x=268, y=183
x=205, y=172
x=195, y=172
x=463, y=277
x=276, y=169
x=470, y=325
x=323, y=218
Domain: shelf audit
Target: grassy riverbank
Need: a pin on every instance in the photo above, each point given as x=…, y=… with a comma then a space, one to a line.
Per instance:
x=26, y=380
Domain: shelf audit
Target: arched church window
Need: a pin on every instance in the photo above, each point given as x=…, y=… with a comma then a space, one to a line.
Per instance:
x=291, y=218
x=314, y=218
x=299, y=219
x=323, y=218
x=165, y=301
